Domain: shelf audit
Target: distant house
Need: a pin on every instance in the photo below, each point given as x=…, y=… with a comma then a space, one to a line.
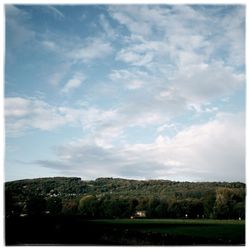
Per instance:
x=140, y=214
x=23, y=215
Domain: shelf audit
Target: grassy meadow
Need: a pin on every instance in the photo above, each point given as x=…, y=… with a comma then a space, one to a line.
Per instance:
x=151, y=232
x=192, y=231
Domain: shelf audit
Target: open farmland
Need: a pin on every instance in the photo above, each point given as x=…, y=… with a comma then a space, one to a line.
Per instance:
x=77, y=231
x=177, y=231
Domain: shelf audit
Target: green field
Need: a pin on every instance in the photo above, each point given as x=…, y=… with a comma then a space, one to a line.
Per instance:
x=75, y=230
x=181, y=231
x=171, y=221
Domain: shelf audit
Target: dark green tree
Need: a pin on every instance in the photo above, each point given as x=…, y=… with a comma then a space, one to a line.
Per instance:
x=239, y=210
x=88, y=206
x=54, y=205
x=162, y=209
x=151, y=211
x=70, y=207
x=13, y=205
x=226, y=200
x=209, y=203
x=35, y=205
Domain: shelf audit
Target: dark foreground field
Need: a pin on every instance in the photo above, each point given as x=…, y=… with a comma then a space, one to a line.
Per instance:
x=77, y=231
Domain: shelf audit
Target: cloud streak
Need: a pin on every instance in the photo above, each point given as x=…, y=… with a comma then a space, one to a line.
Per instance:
x=23, y=114
x=57, y=13
x=94, y=48
x=73, y=83
x=17, y=26
x=200, y=152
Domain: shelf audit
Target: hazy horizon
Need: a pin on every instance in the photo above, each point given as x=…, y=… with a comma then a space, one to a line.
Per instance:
x=129, y=179
x=125, y=91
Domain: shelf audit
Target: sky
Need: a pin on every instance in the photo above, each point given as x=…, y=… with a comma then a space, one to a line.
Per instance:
x=129, y=91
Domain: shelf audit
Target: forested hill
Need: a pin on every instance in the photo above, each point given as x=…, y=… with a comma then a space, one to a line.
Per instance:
x=73, y=186
x=159, y=198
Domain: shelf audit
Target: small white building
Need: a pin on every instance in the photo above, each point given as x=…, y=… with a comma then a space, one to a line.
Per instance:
x=140, y=214
x=23, y=215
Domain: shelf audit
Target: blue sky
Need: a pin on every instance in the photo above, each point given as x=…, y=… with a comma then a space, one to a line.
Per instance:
x=131, y=91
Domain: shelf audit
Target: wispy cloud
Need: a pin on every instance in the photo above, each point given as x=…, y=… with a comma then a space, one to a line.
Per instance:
x=105, y=24
x=58, y=74
x=55, y=11
x=190, y=153
x=131, y=79
x=23, y=114
x=200, y=83
x=139, y=19
x=73, y=83
x=49, y=45
x=18, y=28
x=94, y=48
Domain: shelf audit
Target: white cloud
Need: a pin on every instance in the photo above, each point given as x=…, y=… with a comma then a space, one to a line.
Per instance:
x=192, y=81
x=18, y=29
x=135, y=58
x=231, y=39
x=164, y=127
x=217, y=148
x=200, y=83
x=105, y=24
x=56, y=78
x=74, y=50
x=186, y=13
x=154, y=22
x=94, y=48
x=16, y=107
x=23, y=114
x=187, y=58
x=14, y=12
x=105, y=126
x=135, y=84
x=170, y=43
x=107, y=136
x=144, y=52
x=131, y=79
x=49, y=45
x=138, y=19
x=59, y=73
x=181, y=35
x=73, y=83
x=132, y=25
x=212, y=151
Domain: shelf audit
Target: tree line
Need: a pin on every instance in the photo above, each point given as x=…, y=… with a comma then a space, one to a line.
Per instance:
x=121, y=198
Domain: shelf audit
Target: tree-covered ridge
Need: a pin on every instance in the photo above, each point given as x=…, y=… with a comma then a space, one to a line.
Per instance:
x=123, y=198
